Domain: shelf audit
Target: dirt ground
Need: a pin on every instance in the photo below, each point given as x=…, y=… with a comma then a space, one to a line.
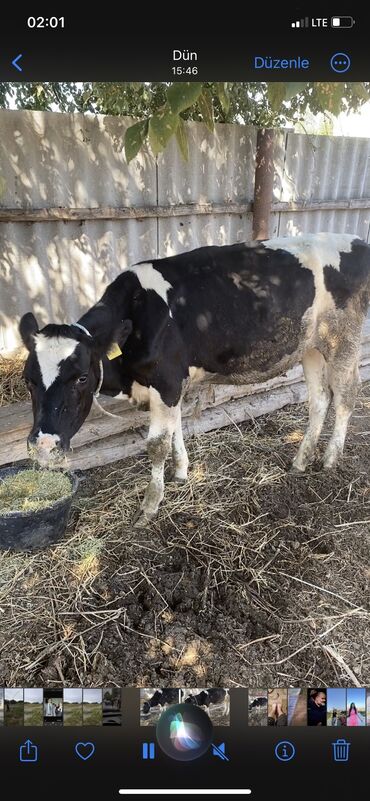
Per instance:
x=250, y=576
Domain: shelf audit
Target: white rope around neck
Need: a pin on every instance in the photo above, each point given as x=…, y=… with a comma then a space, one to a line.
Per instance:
x=101, y=379
x=78, y=325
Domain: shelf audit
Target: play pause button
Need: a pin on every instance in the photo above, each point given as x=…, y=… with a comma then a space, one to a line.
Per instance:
x=148, y=751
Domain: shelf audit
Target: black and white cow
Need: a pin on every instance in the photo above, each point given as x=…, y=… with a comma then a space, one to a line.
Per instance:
x=234, y=314
x=211, y=696
x=259, y=702
x=163, y=698
x=215, y=695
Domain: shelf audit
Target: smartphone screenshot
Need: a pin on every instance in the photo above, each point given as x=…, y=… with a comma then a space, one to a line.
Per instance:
x=185, y=402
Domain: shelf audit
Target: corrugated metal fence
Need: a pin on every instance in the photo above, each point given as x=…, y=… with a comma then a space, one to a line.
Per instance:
x=73, y=214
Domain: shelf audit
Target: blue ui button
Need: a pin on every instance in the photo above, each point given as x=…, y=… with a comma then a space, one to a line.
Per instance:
x=148, y=751
x=269, y=63
x=284, y=751
x=340, y=62
x=341, y=751
x=28, y=752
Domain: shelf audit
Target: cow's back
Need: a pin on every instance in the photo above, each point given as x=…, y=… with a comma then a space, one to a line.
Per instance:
x=246, y=313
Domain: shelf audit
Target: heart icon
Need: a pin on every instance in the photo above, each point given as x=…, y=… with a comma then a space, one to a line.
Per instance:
x=85, y=750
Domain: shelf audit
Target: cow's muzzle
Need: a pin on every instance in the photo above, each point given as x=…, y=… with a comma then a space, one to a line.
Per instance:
x=46, y=449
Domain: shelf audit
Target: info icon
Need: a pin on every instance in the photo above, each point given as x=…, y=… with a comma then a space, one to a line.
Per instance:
x=184, y=732
x=284, y=751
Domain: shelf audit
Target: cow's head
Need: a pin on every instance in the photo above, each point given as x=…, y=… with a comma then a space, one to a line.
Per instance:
x=191, y=699
x=62, y=373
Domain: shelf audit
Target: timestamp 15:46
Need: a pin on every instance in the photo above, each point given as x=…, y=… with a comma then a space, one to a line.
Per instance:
x=184, y=70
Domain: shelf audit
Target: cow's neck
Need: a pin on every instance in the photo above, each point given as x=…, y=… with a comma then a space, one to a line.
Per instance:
x=114, y=377
x=100, y=322
x=103, y=319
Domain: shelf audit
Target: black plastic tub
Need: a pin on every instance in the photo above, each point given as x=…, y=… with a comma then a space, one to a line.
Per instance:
x=28, y=531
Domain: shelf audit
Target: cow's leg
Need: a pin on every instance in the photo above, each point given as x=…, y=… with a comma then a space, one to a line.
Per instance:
x=179, y=454
x=162, y=425
x=344, y=381
x=319, y=397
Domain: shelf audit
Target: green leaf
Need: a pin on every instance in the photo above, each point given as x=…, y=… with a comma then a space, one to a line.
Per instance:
x=293, y=89
x=87, y=95
x=182, y=95
x=276, y=94
x=329, y=96
x=360, y=90
x=206, y=108
x=162, y=126
x=223, y=96
x=134, y=139
x=182, y=140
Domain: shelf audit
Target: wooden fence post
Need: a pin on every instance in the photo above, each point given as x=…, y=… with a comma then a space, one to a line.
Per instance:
x=264, y=182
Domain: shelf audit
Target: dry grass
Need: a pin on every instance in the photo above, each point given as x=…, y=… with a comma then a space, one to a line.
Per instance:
x=30, y=490
x=249, y=576
x=12, y=386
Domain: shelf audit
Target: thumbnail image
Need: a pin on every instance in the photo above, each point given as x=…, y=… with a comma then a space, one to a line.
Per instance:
x=356, y=706
x=367, y=708
x=277, y=707
x=316, y=707
x=92, y=712
x=72, y=707
x=215, y=701
x=297, y=707
x=13, y=707
x=154, y=701
x=257, y=708
x=53, y=707
x=1, y=707
x=33, y=707
x=336, y=707
x=112, y=706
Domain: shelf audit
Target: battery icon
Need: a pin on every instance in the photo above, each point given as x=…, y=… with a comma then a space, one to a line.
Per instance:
x=342, y=22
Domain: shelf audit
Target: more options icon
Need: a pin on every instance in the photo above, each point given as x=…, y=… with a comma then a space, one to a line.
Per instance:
x=340, y=62
x=284, y=751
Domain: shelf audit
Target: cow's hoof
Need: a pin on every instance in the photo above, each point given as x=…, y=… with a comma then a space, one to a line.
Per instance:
x=178, y=479
x=297, y=472
x=142, y=519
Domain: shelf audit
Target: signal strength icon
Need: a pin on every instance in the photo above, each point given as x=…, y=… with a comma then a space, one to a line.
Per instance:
x=301, y=23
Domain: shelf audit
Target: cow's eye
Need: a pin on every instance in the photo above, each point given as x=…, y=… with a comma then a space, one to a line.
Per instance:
x=82, y=379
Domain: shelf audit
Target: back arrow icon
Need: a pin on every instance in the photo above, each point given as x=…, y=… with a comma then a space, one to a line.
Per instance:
x=15, y=62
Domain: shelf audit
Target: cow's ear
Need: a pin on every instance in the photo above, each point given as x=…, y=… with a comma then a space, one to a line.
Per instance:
x=123, y=332
x=28, y=327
